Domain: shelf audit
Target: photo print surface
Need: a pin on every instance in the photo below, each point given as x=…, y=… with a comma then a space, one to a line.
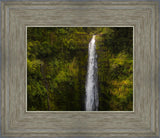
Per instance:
x=79, y=68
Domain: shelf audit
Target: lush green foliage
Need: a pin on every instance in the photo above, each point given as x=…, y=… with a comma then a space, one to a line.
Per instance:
x=57, y=66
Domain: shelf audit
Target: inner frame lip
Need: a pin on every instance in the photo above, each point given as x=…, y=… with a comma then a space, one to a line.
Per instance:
x=133, y=27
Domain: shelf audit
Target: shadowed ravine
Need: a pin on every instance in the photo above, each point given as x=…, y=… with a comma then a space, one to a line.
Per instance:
x=92, y=100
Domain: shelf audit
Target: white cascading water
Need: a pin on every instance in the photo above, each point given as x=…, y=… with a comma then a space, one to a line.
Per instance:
x=92, y=100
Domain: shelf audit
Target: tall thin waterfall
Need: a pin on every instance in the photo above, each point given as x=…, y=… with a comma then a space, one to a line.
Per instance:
x=92, y=100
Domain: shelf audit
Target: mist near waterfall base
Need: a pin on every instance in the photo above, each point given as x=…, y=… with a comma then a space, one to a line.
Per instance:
x=57, y=64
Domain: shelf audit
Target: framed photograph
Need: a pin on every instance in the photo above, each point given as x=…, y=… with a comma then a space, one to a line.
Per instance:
x=80, y=69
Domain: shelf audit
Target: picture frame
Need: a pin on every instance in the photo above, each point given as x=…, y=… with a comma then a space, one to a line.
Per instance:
x=17, y=121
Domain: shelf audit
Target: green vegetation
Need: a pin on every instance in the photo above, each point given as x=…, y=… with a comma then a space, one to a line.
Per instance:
x=57, y=60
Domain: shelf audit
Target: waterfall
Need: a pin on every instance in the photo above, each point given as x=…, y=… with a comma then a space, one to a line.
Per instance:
x=91, y=87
